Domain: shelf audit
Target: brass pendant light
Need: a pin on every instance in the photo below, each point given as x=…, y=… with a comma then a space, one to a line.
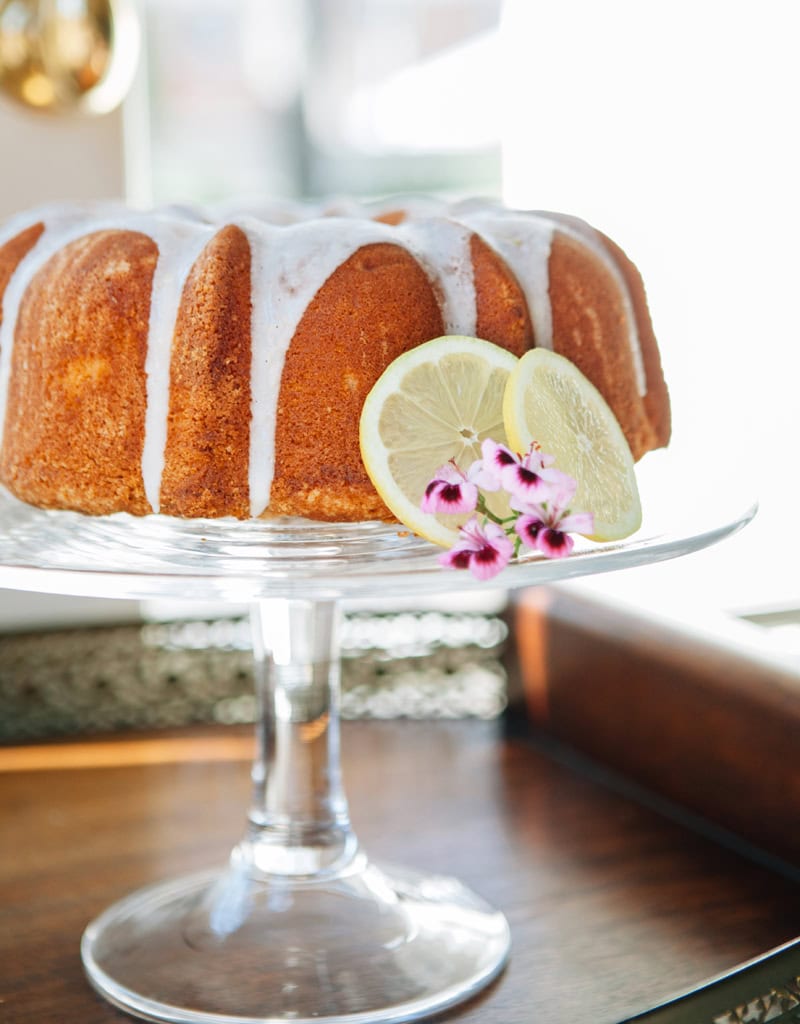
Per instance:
x=64, y=56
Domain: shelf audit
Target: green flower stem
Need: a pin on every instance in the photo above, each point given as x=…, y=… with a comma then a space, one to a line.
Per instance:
x=507, y=523
x=484, y=510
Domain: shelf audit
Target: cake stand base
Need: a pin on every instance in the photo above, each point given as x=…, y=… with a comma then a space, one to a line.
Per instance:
x=359, y=944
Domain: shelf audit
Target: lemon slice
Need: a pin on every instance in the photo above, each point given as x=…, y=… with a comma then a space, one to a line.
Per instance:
x=549, y=400
x=436, y=402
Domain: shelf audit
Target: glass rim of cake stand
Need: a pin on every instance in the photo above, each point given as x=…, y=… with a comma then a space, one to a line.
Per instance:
x=156, y=556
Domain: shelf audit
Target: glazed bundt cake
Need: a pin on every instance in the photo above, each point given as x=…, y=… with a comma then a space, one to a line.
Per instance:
x=170, y=362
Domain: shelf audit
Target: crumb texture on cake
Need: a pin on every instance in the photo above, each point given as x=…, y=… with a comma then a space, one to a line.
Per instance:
x=207, y=364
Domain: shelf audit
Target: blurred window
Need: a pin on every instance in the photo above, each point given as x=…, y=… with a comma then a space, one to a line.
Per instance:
x=296, y=99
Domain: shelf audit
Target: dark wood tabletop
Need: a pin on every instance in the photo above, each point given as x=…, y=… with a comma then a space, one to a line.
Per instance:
x=612, y=906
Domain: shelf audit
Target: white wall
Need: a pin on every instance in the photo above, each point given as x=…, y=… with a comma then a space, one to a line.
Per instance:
x=44, y=158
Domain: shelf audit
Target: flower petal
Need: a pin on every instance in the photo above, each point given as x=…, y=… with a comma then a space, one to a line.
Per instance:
x=528, y=529
x=487, y=480
x=577, y=522
x=529, y=508
x=471, y=535
x=488, y=562
x=554, y=543
x=456, y=558
x=562, y=491
x=495, y=458
x=450, y=473
x=452, y=498
x=535, y=459
x=528, y=484
x=484, y=550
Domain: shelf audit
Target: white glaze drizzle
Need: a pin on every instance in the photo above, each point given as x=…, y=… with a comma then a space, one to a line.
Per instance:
x=179, y=239
x=442, y=248
x=287, y=270
x=295, y=248
x=179, y=243
x=524, y=244
x=586, y=234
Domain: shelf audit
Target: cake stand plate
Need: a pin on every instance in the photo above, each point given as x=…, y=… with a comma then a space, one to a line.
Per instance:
x=123, y=556
x=300, y=926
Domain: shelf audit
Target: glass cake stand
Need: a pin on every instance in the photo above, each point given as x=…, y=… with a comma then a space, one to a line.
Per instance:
x=299, y=925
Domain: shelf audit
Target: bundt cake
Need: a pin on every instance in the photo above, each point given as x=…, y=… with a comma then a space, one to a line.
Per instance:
x=199, y=366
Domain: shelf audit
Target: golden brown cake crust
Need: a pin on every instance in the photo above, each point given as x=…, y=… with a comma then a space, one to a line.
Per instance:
x=656, y=401
x=74, y=426
x=360, y=292
x=208, y=429
x=377, y=305
x=12, y=254
x=502, y=311
x=590, y=328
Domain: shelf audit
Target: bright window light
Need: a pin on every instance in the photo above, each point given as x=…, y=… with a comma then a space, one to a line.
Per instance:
x=439, y=103
x=673, y=129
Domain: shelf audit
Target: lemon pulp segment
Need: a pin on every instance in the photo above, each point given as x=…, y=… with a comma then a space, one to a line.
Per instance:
x=548, y=400
x=437, y=402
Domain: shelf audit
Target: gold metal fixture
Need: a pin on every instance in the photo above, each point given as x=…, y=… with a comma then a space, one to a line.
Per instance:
x=68, y=55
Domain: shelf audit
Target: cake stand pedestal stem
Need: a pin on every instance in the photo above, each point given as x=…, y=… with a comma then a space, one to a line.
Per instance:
x=298, y=822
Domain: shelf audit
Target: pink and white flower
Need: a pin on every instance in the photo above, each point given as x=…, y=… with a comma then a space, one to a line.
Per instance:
x=539, y=501
x=530, y=479
x=553, y=541
x=487, y=471
x=546, y=525
x=450, y=491
x=484, y=550
x=526, y=476
x=556, y=492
